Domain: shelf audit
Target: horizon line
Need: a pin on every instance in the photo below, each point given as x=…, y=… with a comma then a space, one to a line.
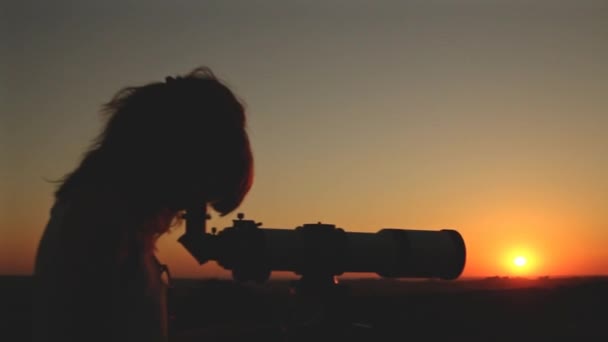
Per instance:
x=295, y=277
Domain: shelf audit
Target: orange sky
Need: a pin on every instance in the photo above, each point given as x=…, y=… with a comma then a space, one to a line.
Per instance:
x=488, y=119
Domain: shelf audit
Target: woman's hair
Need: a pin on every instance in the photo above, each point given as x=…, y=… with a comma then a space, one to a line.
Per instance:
x=169, y=145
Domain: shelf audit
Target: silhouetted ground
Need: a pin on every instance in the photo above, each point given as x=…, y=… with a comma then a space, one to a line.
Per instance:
x=493, y=309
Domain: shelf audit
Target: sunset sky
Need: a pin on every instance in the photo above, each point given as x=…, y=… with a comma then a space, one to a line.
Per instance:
x=488, y=117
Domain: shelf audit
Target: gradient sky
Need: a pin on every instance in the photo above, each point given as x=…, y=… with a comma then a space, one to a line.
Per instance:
x=489, y=117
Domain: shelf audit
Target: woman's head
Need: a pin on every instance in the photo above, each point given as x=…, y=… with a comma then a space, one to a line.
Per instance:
x=171, y=145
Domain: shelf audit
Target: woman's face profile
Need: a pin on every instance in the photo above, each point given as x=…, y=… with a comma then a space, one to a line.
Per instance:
x=219, y=176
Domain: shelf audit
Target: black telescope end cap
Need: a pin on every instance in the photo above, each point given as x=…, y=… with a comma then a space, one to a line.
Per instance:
x=458, y=266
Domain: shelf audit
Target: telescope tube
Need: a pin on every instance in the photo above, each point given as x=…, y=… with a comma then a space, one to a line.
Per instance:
x=390, y=253
x=252, y=252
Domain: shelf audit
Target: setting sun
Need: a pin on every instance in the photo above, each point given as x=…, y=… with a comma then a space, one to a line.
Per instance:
x=522, y=261
x=519, y=261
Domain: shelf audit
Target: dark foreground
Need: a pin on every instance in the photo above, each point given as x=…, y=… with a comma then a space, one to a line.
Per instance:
x=493, y=309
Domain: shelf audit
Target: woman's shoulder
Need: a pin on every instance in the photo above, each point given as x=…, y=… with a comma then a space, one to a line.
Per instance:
x=83, y=228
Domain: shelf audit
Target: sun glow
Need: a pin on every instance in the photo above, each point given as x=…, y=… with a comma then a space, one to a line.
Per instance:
x=520, y=261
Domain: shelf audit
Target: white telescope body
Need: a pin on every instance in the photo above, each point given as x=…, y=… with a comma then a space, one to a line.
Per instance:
x=252, y=252
x=388, y=252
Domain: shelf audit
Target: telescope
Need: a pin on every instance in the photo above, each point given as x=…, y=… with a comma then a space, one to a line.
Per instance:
x=323, y=251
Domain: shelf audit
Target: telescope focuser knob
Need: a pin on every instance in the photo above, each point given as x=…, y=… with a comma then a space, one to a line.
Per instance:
x=241, y=222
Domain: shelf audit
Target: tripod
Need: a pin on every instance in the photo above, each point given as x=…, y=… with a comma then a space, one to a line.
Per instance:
x=319, y=309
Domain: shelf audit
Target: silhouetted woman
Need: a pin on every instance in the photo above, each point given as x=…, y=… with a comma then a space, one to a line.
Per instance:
x=166, y=146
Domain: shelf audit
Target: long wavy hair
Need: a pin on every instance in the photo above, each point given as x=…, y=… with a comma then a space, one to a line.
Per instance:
x=167, y=146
